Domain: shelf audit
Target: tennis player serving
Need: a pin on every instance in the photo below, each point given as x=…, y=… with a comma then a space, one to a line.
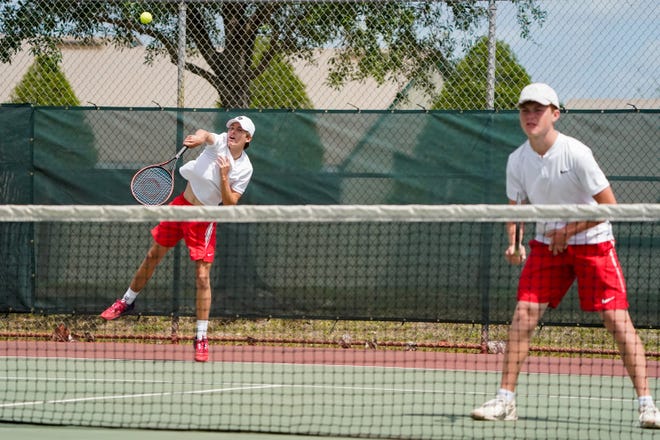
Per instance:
x=552, y=168
x=219, y=175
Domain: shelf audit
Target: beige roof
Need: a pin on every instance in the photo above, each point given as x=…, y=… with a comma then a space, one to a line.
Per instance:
x=104, y=75
x=612, y=104
x=366, y=94
x=109, y=76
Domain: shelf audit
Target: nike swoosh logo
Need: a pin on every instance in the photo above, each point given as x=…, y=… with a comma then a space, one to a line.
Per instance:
x=563, y=171
x=606, y=300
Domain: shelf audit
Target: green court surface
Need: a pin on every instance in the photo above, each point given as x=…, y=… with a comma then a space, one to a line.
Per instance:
x=38, y=432
x=261, y=400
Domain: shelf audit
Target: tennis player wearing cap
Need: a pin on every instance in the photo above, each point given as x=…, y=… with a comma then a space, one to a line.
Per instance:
x=552, y=168
x=219, y=175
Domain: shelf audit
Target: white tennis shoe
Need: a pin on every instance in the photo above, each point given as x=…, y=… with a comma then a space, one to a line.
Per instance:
x=496, y=409
x=649, y=417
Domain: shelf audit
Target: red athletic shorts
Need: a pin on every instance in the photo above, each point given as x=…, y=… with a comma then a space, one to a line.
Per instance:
x=546, y=278
x=199, y=236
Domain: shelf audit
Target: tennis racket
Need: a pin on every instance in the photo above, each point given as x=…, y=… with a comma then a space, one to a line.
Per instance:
x=153, y=185
x=518, y=227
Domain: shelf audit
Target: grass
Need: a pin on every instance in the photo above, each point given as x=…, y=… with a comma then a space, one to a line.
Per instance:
x=355, y=334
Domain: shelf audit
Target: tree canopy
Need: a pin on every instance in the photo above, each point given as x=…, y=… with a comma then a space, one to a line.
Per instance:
x=468, y=82
x=388, y=40
x=44, y=84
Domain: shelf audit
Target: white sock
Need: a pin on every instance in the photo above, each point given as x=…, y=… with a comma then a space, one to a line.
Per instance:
x=645, y=401
x=130, y=296
x=202, y=328
x=507, y=395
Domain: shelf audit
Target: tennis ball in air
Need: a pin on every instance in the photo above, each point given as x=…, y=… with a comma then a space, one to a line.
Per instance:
x=145, y=18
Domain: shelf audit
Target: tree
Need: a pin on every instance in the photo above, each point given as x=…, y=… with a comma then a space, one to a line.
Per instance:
x=278, y=76
x=467, y=84
x=386, y=40
x=44, y=84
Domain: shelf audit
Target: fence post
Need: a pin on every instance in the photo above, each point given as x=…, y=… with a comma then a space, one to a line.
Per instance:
x=181, y=56
x=180, y=104
x=492, y=49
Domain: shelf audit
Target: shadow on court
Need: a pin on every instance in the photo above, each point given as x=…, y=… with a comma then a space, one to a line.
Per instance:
x=39, y=432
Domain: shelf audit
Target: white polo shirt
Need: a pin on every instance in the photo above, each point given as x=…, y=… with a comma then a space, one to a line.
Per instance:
x=204, y=174
x=566, y=174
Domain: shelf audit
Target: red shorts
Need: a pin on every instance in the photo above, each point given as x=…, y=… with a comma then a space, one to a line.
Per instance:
x=199, y=236
x=546, y=278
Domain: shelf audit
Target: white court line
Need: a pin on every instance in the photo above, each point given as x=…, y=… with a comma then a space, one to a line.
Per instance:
x=557, y=396
x=135, y=396
x=465, y=393
x=264, y=386
x=330, y=387
x=77, y=379
x=367, y=366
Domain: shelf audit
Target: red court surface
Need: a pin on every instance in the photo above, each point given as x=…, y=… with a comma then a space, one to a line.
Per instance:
x=606, y=365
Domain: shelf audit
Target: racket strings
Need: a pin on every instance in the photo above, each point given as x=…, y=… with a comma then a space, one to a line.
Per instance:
x=152, y=186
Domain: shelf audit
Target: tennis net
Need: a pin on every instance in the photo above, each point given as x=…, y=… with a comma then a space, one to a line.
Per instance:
x=366, y=321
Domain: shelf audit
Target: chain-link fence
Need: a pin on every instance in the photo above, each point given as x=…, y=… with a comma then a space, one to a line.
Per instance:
x=334, y=54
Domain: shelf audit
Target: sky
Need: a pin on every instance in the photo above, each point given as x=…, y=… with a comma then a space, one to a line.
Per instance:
x=591, y=49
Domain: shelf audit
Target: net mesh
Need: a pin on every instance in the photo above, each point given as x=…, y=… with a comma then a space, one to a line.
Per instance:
x=356, y=321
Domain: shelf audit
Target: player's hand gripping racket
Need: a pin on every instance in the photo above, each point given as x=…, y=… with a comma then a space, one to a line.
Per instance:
x=517, y=237
x=153, y=185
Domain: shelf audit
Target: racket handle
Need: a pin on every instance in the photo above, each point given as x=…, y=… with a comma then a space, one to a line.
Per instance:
x=181, y=151
x=518, y=227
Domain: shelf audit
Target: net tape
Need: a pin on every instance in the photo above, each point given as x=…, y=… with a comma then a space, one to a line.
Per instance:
x=329, y=213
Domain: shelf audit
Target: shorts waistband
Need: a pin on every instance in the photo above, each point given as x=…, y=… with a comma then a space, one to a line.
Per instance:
x=180, y=200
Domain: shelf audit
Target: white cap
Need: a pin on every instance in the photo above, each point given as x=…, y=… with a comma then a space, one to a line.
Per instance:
x=539, y=92
x=245, y=123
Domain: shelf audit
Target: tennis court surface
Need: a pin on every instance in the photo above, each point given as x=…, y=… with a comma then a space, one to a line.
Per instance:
x=305, y=391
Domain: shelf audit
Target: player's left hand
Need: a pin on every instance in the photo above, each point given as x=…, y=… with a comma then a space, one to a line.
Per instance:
x=224, y=165
x=558, y=240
